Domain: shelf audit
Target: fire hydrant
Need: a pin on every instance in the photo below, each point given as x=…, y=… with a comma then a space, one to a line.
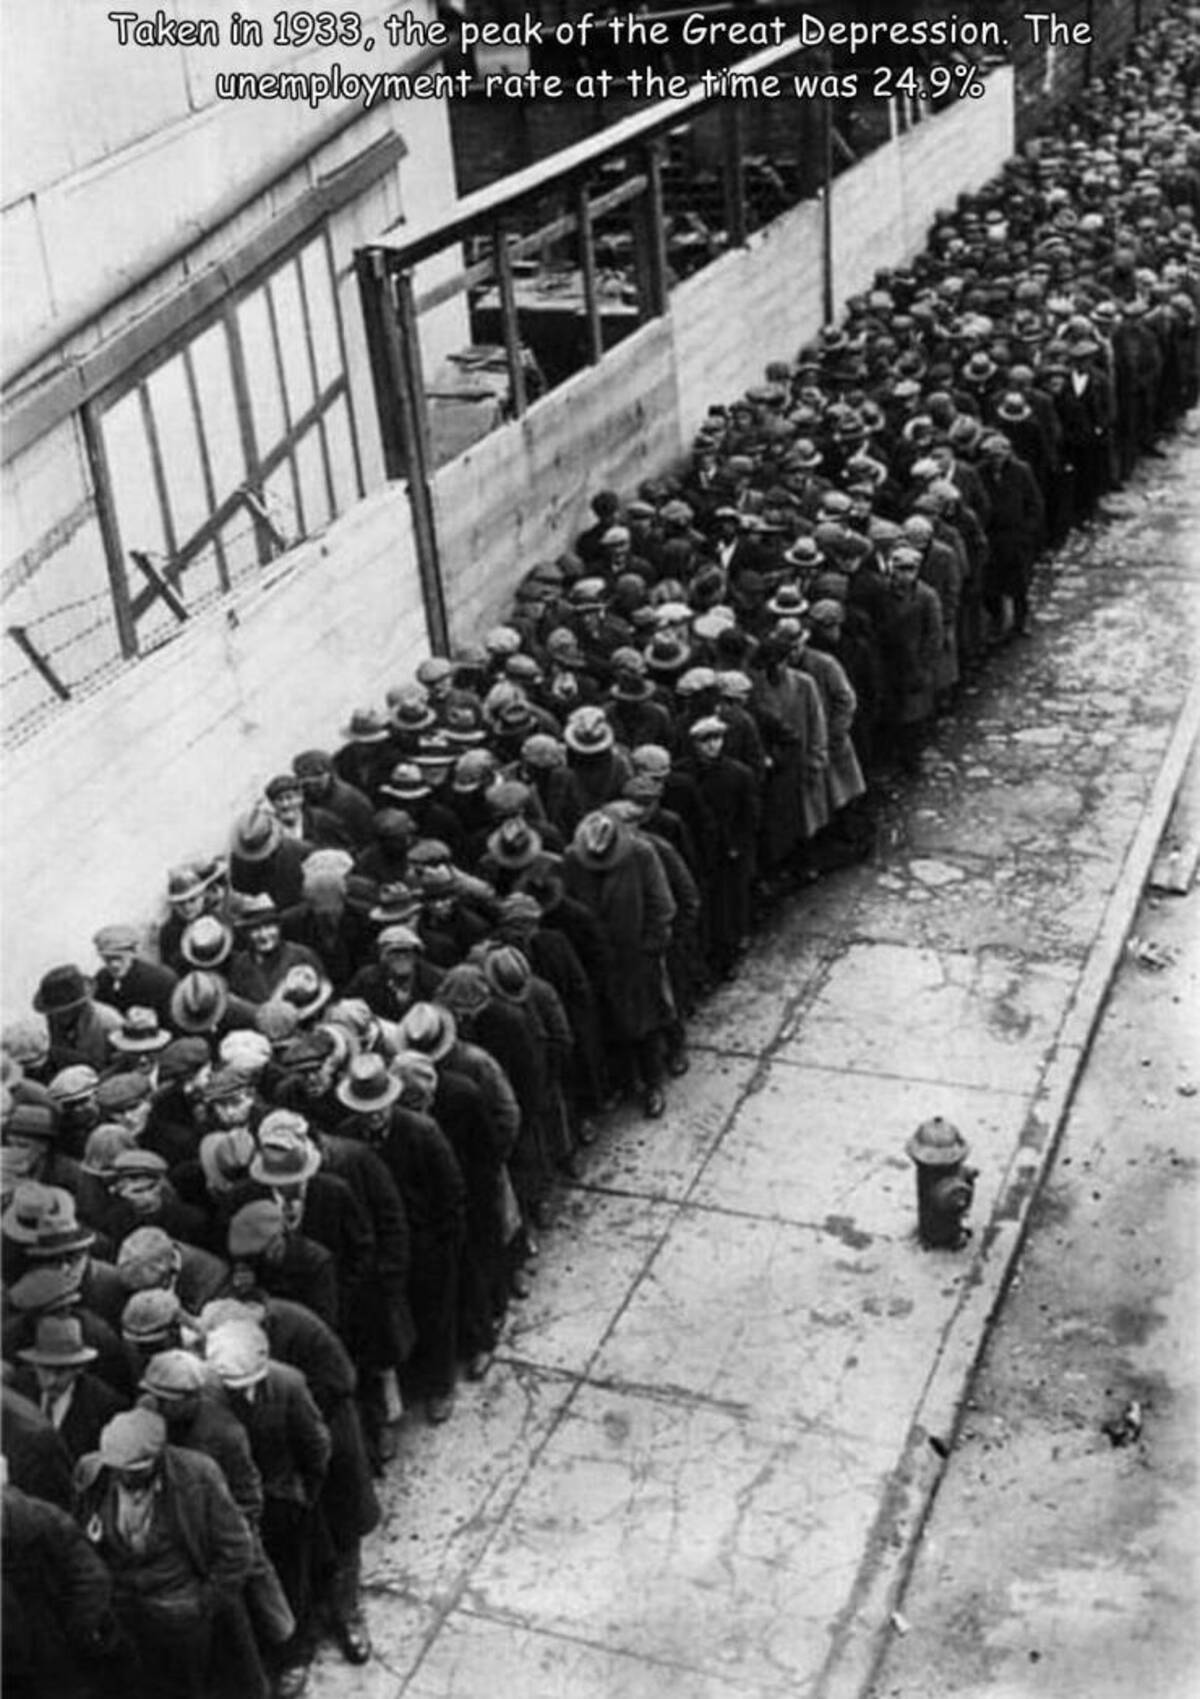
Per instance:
x=945, y=1185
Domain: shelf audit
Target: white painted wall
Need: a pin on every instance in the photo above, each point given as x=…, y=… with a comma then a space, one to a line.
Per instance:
x=155, y=765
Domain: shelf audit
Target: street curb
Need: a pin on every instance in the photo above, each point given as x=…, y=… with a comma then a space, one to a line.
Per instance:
x=865, y=1630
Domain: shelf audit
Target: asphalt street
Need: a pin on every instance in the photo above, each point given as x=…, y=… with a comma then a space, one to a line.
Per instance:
x=702, y=1461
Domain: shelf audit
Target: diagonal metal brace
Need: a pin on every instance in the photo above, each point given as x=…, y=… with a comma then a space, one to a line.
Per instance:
x=158, y=583
x=38, y=661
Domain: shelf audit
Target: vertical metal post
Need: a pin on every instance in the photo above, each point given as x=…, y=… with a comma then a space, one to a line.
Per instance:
x=397, y=321
x=587, y=266
x=731, y=171
x=827, y=204
x=508, y=319
x=114, y=558
x=656, y=231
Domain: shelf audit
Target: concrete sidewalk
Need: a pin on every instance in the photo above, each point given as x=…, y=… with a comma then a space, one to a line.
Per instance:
x=702, y=1459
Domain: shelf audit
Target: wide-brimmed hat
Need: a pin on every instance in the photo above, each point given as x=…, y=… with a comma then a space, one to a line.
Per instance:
x=139, y=1033
x=409, y=709
x=588, y=732
x=27, y=1206
x=367, y=1087
x=515, y=844
x=256, y=910
x=406, y=783
x=397, y=905
x=256, y=835
x=598, y=841
x=435, y=754
x=508, y=973
x=58, y=1232
x=1013, y=408
x=199, y=1002
x=668, y=652
x=429, y=1028
x=31, y=1121
x=58, y=1343
x=306, y=988
x=366, y=725
x=206, y=942
x=185, y=882
x=462, y=724
x=980, y=368
x=60, y=989
x=286, y=1155
x=788, y=602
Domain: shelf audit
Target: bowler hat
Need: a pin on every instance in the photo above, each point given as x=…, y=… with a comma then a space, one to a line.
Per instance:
x=61, y=988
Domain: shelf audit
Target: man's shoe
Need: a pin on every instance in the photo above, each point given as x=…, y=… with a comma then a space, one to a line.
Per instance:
x=291, y=1682
x=519, y=1284
x=678, y=1064
x=653, y=1102
x=479, y=1365
x=440, y=1409
x=354, y=1640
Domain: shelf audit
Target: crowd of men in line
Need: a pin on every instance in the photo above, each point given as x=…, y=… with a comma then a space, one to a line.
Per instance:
x=277, y=1182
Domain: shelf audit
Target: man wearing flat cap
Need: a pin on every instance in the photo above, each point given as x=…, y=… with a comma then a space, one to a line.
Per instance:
x=126, y=979
x=180, y=1552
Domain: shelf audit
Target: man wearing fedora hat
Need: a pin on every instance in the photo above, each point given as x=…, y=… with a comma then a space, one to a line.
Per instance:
x=193, y=888
x=365, y=756
x=78, y=1026
x=55, y=1377
x=264, y=861
x=263, y=957
x=620, y=879
x=389, y=1112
